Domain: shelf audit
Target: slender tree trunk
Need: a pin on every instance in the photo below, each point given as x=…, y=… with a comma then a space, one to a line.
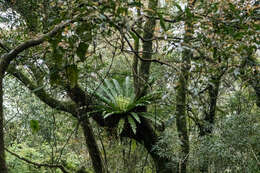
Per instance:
x=148, y=33
x=92, y=146
x=181, y=118
x=207, y=127
x=209, y=119
x=3, y=167
x=181, y=121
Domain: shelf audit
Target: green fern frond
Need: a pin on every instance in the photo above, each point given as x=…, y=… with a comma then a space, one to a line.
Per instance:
x=111, y=88
x=127, y=86
x=151, y=117
x=132, y=124
x=120, y=126
x=108, y=114
x=118, y=87
x=136, y=117
x=106, y=92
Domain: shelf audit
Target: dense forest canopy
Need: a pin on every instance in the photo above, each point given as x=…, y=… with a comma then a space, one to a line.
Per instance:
x=129, y=86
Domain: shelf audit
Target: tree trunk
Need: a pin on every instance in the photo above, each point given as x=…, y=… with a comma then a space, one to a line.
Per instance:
x=207, y=125
x=181, y=121
x=144, y=68
x=208, y=121
x=146, y=136
x=3, y=167
x=92, y=146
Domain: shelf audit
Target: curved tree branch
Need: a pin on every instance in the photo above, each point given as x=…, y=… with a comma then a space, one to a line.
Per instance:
x=12, y=54
x=69, y=107
x=38, y=164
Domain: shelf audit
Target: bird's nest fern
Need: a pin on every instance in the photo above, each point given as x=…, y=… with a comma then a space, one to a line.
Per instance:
x=120, y=100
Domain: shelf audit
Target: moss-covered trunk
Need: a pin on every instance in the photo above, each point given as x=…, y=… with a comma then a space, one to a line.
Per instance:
x=181, y=98
x=3, y=167
x=92, y=146
x=181, y=114
x=148, y=33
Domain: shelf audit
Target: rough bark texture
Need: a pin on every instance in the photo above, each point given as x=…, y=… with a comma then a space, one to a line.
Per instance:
x=3, y=167
x=135, y=60
x=92, y=146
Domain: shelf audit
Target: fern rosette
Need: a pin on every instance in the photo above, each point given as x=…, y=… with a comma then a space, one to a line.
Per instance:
x=120, y=100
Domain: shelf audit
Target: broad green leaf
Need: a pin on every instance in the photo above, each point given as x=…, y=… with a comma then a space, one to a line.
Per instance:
x=107, y=92
x=111, y=87
x=151, y=117
x=188, y=13
x=136, y=39
x=132, y=124
x=102, y=97
x=162, y=23
x=120, y=126
x=34, y=124
x=108, y=114
x=133, y=144
x=127, y=86
x=118, y=87
x=136, y=117
x=38, y=89
x=178, y=6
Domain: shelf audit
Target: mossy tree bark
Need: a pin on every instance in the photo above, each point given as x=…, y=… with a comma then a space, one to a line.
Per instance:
x=3, y=167
x=181, y=113
x=148, y=33
x=181, y=97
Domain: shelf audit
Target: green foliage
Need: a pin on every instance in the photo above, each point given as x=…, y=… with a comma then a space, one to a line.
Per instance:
x=234, y=146
x=34, y=124
x=120, y=100
x=224, y=43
